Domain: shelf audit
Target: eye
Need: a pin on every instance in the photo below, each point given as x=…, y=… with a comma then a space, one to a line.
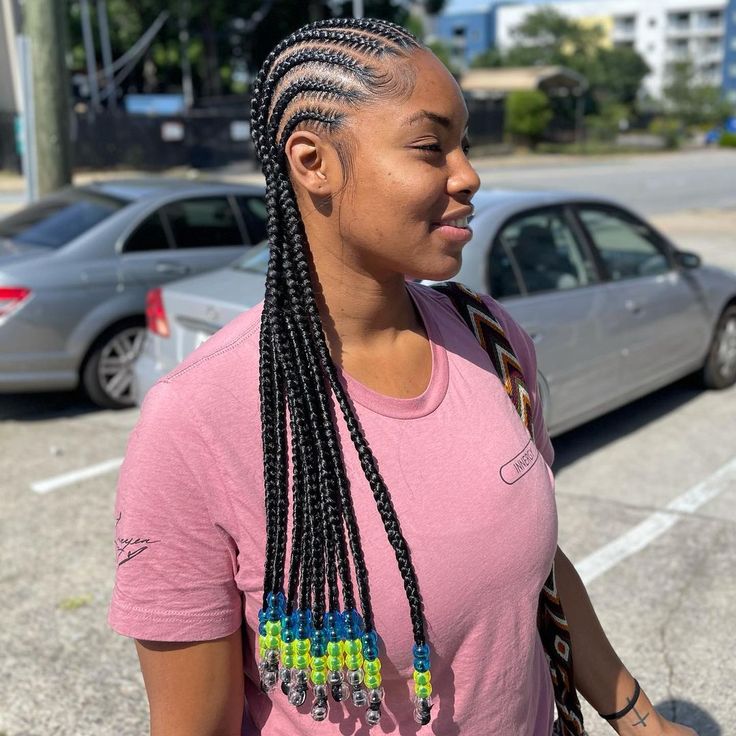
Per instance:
x=434, y=147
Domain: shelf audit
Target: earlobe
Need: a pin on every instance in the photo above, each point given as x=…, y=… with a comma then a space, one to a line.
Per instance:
x=305, y=154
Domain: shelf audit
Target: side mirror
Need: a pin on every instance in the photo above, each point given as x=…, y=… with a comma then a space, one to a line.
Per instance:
x=688, y=260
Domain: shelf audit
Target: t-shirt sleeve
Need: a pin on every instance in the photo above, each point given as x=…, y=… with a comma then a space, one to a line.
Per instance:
x=175, y=574
x=527, y=355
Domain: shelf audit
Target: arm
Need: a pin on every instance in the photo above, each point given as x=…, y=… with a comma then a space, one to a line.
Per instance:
x=600, y=676
x=194, y=689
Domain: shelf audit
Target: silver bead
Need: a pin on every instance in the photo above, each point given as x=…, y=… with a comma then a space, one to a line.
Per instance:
x=301, y=677
x=372, y=716
x=285, y=675
x=340, y=691
x=422, y=717
x=355, y=677
x=297, y=697
x=319, y=711
x=375, y=695
x=334, y=677
x=272, y=656
x=422, y=703
x=360, y=699
x=320, y=692
x=268, y=680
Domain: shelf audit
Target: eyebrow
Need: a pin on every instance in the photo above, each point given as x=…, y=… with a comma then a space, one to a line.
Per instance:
x=435, y=117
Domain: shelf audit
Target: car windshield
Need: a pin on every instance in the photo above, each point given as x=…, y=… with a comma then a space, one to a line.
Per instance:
x=58, y=219
x=255, y=260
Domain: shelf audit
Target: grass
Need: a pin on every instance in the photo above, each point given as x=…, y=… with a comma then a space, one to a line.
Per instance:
x=73, y=603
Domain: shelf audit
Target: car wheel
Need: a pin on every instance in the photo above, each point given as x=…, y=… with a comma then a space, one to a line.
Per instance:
x=719, y=370
x=107, y=374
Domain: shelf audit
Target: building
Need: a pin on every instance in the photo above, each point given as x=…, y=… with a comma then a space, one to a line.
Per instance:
x=662, y=31
x=729, y=55
x=468, y=27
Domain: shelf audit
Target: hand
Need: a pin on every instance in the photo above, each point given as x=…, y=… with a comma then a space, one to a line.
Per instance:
x=662, y=727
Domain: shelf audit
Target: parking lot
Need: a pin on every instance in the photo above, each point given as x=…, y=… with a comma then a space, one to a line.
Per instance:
x=647, y=505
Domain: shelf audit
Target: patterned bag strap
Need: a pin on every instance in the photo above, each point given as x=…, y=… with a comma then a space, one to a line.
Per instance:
x=553, y=628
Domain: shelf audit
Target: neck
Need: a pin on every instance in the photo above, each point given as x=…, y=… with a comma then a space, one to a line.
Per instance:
x=360, y=311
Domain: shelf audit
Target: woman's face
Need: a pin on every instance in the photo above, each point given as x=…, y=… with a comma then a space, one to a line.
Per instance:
x=408, y=188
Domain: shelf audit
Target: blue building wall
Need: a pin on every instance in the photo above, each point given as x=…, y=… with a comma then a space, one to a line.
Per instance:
x=729, y=59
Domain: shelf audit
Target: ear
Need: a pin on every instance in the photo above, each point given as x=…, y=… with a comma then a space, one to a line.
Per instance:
x=308, y=158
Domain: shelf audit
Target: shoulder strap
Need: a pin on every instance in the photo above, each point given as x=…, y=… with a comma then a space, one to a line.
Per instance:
x=553, y=628
x=490, y=335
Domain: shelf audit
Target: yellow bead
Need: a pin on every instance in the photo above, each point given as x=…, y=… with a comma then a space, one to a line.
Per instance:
x=422, y=678
x=334, y=649
x=373, y=680
x=302, y=646
x=273, y=628
x=272, y=642
x=334, y=663
x=372, y=666
x=302, y=661
x=423, y=691
x=353, y=646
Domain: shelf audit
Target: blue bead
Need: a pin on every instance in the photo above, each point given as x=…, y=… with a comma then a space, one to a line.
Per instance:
x=370, y=651
x=262, y=615
x=368, y=638
x=335, y=627
x=262, y=628
x=421, y=651
x=421, y=665
x=353, y=624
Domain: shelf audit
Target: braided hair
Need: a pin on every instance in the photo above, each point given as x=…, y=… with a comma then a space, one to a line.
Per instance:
x=310, y=626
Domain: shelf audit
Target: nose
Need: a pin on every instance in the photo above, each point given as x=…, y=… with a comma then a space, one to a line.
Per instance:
x=463, y=179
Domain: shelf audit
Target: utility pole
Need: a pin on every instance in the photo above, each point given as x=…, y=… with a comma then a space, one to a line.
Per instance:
x=358, y=10
x=45, y=24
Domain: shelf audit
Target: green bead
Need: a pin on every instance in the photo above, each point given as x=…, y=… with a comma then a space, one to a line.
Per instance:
x=302, y=661
x=353, y=661
x=422, y=678
x=373, y=680
x=273, y=628
x=334, y=663
x=423, y=691
x=272, y=642
x=372, y=666
x=302, y=646
x=318, y=677
x=287, y=660
x=319, y=663
x=353, y=646
x=334, y=649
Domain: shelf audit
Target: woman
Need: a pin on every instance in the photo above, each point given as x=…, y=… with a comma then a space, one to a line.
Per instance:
x=353, y=426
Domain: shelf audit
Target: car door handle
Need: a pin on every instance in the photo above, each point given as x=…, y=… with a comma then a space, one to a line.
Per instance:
x=634, y=307
x=171, y=267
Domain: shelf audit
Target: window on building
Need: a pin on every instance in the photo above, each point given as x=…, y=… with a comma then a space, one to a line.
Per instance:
x=652, y=22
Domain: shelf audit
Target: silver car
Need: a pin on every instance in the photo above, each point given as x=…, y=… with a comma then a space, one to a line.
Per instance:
x=614, y=308
x=75, y=268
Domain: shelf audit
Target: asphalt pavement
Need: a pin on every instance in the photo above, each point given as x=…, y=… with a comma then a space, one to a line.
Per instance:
x=646, y=498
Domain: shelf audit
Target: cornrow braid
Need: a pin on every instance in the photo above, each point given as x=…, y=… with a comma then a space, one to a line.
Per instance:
x=314, y=79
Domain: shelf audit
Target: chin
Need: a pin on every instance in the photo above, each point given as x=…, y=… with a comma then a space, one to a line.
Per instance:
x=437, y=272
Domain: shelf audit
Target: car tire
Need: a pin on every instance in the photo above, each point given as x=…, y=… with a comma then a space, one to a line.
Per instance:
x=107, y=372
x=719, y=370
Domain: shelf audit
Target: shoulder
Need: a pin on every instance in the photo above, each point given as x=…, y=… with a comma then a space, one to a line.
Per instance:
x=515, y=333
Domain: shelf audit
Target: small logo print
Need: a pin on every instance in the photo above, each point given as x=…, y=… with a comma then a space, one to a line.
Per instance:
x=517, y=468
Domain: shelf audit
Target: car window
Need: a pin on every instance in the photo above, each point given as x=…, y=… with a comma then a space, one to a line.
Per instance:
x=203, y=223
x=502, y=281
x=57, y=220
x=253, y=210
x=149, y=235
x=628, y=247
x=546, y=252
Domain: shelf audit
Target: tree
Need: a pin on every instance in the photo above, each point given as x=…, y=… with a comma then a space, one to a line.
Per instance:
x=220, y=52
x=548, y=37
x=691, y=101
x=528, y=113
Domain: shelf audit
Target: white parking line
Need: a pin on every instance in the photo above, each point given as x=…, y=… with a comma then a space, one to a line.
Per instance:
x=637, y=538
x=59, y=481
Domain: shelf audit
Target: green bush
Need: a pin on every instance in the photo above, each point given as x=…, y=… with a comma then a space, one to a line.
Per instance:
x=669, y=130
x=528, y=113
x=728, y=140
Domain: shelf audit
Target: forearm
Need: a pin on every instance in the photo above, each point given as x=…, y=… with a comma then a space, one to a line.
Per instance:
x=600, y=676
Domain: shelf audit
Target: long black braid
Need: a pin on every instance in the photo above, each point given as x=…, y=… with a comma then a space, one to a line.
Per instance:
x=314, y=79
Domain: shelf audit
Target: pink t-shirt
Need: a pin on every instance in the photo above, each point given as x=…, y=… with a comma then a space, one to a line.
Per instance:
x=474, y=497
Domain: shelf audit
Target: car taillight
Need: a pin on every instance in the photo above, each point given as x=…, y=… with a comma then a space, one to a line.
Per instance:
x=11, y=297
x=156, y=314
